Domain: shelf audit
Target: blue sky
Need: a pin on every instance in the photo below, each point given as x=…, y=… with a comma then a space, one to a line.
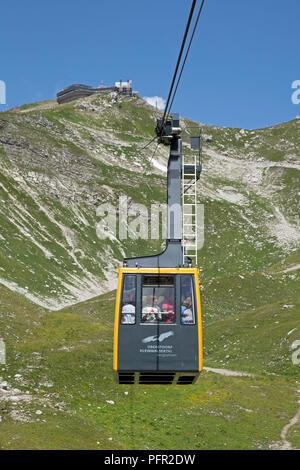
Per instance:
x=243, y=61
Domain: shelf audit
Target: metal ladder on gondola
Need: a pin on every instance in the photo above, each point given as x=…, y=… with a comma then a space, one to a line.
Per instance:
x=191, y=169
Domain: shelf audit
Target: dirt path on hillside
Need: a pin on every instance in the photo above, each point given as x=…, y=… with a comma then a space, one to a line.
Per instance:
x=40, y=107
x=232, y=373
x=292, y=268
x=286, y=445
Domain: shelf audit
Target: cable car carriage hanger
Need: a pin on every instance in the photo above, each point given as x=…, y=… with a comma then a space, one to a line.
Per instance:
x=157, y=331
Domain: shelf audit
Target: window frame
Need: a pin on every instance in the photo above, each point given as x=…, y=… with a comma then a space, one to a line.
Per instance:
x=121, y=298
x=174, y=277
x=182, y=276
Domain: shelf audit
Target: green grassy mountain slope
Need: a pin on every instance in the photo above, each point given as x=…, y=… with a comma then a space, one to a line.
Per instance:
x=57, y=391
x=58, y=165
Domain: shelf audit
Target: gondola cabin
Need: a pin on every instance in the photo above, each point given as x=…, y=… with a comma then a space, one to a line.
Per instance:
x=158, y=335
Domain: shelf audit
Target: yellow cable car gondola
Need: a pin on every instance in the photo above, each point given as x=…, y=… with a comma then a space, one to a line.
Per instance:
x=157, y=332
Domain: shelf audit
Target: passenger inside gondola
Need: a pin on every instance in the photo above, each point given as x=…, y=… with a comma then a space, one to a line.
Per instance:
x=128, y=314
x=151, y=309
x=187, y=300
x=187, y=311
x=168, y=311
x=158, y=299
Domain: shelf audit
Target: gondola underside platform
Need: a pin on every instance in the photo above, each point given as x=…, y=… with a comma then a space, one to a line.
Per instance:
x=157, y=378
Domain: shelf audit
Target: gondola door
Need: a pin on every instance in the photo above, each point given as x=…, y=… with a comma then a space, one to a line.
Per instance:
x=157, y=334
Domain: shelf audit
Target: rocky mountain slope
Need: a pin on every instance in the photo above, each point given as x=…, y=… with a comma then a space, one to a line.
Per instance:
x=58, y=165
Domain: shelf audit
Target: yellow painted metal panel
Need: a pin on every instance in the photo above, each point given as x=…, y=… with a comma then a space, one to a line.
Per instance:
x=199, y=321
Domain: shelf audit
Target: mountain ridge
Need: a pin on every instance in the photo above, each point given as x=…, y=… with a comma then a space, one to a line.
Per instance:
x=61, y=162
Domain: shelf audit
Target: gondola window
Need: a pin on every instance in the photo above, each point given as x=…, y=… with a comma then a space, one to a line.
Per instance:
x=158, y=299
x=128, y=302
x=187, y=300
